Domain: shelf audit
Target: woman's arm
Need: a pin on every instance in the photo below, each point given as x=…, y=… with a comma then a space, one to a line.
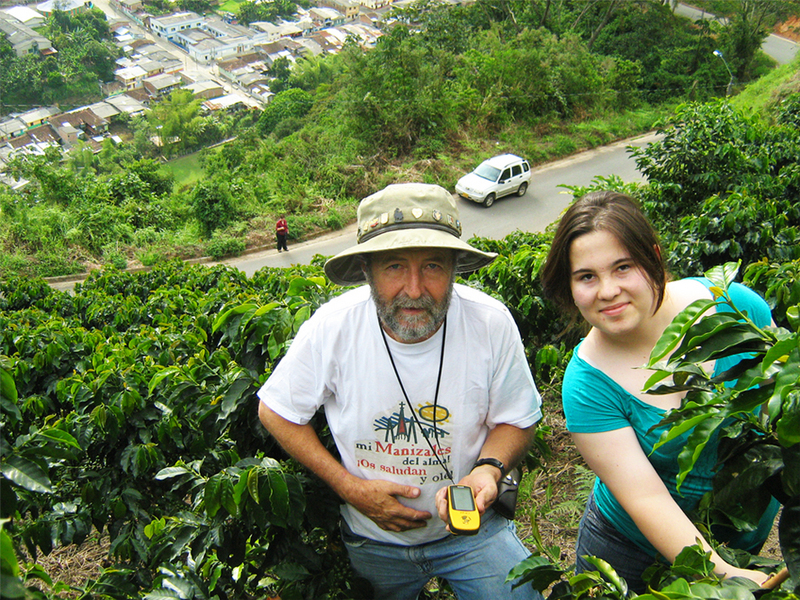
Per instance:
x=618, y=460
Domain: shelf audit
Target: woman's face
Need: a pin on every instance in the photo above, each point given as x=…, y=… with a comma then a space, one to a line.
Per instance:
x=611, y=292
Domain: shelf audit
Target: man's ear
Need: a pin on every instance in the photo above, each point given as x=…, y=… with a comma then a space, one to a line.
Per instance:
x=364, y=264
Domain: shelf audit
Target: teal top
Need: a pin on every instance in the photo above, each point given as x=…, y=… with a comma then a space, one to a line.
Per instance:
x=593, y=402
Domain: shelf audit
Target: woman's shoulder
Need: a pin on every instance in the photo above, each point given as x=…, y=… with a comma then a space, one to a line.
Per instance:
x=688, y=290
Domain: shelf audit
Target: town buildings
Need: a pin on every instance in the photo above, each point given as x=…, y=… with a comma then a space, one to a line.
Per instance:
x=241, y=57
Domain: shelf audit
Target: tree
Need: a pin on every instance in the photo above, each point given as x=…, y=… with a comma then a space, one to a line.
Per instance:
x=749, y=22
x=292, y=103
x=213, y=205
x=280, y=71
x=171, y=119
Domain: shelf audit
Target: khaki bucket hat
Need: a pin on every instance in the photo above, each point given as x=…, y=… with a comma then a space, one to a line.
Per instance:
x=401, y=216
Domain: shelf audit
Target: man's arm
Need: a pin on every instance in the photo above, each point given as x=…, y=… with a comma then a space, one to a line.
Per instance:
x=377, y=499
x=507, y=443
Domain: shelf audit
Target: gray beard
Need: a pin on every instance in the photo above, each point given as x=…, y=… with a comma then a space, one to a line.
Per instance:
x=417, y=328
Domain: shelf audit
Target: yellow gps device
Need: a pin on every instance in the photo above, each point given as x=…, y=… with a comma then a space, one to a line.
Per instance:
x=462, y=514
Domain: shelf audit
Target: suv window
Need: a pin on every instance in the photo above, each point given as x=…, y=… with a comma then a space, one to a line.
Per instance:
x=506, y=175
x=516, y=170
x=526, y=166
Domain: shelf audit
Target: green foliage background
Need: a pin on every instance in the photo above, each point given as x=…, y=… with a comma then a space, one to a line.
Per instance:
x=442, y=90
x=128, y=407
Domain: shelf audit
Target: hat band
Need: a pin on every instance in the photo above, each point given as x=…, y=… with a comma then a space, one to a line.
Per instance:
x=398, y=226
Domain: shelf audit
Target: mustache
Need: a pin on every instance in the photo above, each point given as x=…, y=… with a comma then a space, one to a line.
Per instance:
x=425, y=302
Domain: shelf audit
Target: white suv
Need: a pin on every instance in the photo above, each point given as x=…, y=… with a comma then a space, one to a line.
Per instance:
x=494, y=178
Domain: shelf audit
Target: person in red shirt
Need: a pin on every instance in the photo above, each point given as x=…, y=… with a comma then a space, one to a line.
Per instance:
x=281, y=231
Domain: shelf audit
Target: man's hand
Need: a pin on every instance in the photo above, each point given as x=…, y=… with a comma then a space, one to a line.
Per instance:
x=484, y=485
x=377, y=499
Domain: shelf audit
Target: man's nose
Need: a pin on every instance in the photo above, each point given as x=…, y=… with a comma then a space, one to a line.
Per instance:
x=413, y=286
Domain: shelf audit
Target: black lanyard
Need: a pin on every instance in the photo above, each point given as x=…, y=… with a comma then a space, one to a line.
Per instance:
x=435, y=397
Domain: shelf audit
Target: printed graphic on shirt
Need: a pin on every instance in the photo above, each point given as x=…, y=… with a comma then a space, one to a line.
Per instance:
x=400, y=449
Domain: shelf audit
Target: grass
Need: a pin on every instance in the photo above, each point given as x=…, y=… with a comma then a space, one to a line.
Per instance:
x=772, y=87
x=186, y=169
x=231, y=6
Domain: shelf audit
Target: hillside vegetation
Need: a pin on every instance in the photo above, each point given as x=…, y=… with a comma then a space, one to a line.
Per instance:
x=445, y=88
x=127, y=409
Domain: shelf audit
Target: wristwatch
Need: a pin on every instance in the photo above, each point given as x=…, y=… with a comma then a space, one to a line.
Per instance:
x=491, y=461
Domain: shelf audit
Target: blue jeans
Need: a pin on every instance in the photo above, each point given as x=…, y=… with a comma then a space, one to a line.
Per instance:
x=598, y=537
x=475, y=566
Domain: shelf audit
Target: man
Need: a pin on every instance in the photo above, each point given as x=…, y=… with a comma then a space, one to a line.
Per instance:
x=424, y=383
x=281, y=231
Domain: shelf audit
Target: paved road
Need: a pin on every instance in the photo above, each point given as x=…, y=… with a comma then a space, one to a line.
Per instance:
x=779, y=48
x=542, y=204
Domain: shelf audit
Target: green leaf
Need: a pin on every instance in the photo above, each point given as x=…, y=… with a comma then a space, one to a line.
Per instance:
x=694, y=446
x=300, y=317
x=60, y=437
x=275, y=345
x=722, y=276
x=252, y=484
x=707, y=327
x=793, y=316
x=298, y=285
x=683, y=426
x=161, y=375
x=788, y=428
x=227, y=497
x=212, y=495
x=608, y=572
x=8, y=389
x=536, y=571
x=677, y=329
x=225, y=317
x=170, y=472
x=790, y=477
x=26, y=474
x=231, y=402
x=735, y=339
x=278, y=494
x=9, y=566
x=739, y=487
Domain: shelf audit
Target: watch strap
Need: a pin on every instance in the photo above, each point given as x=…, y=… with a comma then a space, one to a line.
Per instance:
x=491, y=461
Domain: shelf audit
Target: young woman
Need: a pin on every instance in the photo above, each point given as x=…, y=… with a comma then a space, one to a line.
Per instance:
x=605, y=265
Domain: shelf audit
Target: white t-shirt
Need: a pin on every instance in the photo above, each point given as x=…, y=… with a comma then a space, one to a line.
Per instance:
x=338, y=360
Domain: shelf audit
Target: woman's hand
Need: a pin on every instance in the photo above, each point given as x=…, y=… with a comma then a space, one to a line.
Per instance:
x=730, y=571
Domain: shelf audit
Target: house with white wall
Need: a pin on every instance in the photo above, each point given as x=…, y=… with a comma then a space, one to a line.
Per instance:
x=169, y=25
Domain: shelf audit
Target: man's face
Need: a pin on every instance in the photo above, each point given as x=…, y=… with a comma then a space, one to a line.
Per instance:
x=412, y=290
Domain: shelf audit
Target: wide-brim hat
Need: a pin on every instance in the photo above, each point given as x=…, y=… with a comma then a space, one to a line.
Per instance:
x=403, y=216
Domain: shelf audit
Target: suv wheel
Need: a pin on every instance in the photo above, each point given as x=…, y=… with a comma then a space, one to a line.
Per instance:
x=522, y=189
x=488, y=201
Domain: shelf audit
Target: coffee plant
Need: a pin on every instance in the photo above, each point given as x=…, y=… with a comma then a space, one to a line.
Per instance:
x=129, y=410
